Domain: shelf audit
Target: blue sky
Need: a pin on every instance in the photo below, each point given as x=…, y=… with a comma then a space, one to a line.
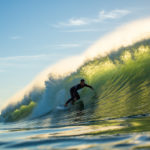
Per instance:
x=35, y=34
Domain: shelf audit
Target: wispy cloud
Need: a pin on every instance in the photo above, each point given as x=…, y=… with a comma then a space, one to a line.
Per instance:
x=114, y=14
x=72, y=22
x=63, y=46
x=84, y=30
x=18, y=58
x=6, y=62
x=103, y=15
x=75, y=22
x=16, y=37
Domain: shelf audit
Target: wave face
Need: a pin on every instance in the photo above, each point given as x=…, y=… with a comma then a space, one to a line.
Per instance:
x=121, y=80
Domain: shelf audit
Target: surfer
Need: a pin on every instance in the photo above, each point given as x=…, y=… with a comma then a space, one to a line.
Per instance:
x=73, y=91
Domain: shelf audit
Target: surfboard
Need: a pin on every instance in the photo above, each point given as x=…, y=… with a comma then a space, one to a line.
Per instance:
x=62, y=108
x=78, y=105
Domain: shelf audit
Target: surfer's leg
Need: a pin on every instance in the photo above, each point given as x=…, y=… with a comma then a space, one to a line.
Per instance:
x=72, y=97
x=76, y=97
x=68, y=101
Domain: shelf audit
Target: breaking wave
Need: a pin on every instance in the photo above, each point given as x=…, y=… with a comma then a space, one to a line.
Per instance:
x=117, y=66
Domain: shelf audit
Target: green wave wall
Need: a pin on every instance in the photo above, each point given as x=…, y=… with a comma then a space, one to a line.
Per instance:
x=20, y=113
x=121, y=81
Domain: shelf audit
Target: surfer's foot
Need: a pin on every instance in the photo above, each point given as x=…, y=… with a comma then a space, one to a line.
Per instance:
x=73, y=102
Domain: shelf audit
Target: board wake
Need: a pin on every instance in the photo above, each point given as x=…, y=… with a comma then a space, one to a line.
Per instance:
x=62, y=108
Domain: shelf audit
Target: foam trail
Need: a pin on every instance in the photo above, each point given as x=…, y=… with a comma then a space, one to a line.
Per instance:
x=123, y=36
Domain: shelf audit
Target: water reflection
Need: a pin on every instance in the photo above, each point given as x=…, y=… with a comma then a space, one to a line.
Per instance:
x=130, y=132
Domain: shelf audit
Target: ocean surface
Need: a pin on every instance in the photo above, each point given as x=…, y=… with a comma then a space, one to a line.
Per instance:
x=75, y=131
x=116, y=115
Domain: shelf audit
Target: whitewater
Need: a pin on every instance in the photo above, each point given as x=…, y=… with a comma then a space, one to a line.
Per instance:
x=115, y=116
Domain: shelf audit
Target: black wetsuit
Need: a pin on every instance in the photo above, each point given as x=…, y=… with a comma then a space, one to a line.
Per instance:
x=74, y=94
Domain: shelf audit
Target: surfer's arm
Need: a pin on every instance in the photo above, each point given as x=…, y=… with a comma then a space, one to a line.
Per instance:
x=89, y=86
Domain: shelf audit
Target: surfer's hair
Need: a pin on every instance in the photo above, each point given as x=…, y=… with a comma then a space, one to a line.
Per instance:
x=82, y=80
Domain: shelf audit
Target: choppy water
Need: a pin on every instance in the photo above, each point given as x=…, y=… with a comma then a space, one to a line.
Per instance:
x=77, y=132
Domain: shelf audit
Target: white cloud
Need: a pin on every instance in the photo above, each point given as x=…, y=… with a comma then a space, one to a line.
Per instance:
x=72, y=22
x=65, y=46
x=16, y=37
x=76, y=22
x=6, y=62
x=103, y=15
x=84, y=30
x=70, y=46
x=114, y=14
x=18, y=58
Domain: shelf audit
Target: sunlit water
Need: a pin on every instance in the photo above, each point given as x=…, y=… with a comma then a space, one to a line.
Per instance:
x=77, y=131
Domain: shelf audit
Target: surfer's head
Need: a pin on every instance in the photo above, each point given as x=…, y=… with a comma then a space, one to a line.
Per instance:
x=82, y=82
